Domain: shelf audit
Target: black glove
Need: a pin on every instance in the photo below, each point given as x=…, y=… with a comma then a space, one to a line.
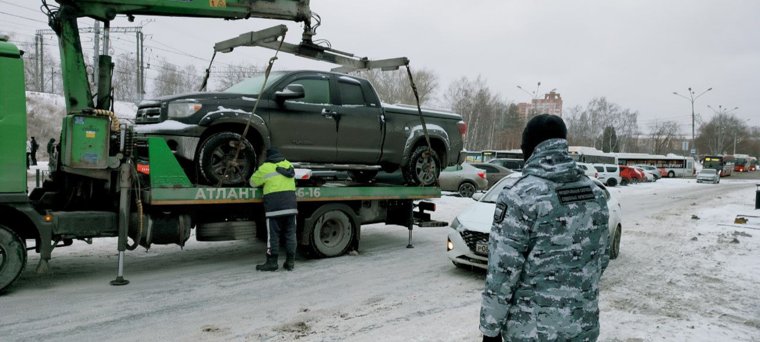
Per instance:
x=496, y=338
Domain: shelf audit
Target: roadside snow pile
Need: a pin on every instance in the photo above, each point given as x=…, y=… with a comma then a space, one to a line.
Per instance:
x=682, y=274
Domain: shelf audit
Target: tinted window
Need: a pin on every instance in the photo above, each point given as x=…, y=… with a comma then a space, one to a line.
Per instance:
x=351, y=94
x=599, y=168
x=315, y=90
x=611, y=169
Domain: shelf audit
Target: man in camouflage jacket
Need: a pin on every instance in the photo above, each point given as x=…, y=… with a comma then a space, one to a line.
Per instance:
x=548, y=246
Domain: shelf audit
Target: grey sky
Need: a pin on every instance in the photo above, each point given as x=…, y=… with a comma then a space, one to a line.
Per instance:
x=634, y=52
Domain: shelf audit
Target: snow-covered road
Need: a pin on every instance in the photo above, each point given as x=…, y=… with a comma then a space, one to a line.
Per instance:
x=677, y=279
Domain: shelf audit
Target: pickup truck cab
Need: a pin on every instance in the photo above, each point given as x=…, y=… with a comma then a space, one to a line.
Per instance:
x=311, y=117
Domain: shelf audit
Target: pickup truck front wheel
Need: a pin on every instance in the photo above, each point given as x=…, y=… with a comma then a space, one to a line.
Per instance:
x=217, y=161
x=424, y=167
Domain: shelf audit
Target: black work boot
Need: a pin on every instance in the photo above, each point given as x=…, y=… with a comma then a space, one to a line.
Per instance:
x=290, y=262
x=270, y=265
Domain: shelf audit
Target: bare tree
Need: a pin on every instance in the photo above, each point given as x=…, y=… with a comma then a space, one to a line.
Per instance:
x=175, y=80
x=721, y=133
x=585, y=125
x=233, y=74
x=484, y=112
x=125, y=78
x=663, y=137
x=394, y=86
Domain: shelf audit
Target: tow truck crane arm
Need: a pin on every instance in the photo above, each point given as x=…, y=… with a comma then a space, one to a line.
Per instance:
x=63, y=20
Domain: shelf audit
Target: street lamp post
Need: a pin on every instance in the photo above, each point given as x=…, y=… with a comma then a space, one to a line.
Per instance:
x=691, y=98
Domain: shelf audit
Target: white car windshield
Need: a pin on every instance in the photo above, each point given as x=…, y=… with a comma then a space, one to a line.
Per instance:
x=707, y=171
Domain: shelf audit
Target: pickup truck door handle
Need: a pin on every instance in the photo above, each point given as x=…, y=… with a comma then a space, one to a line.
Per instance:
x=328, y=114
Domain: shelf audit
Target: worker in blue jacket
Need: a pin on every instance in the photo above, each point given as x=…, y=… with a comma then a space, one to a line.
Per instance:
x=277, y=176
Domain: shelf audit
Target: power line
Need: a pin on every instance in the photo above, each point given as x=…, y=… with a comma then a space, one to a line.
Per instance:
x=23, y=17
x=19, y=6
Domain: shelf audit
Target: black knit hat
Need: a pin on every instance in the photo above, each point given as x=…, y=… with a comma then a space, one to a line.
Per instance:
x=274, y=155
x=540, y=128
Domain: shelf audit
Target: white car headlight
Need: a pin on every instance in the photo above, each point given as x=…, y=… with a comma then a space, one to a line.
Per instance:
x=180, y=110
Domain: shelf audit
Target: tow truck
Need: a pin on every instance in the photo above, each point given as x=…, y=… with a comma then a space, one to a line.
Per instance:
x=109, y=182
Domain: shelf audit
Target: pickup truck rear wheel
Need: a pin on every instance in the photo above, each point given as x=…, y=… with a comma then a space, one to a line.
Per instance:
x=12, y=256
x=424, y=167
x=216, y=160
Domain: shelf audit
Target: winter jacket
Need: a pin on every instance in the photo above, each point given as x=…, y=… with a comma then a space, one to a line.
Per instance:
x=547, y=249
x=28, y=147
x=276, y=175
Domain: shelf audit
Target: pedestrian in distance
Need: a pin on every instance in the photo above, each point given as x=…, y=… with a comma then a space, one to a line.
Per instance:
x=51, y=148
x=548, y=247
x=277, y=176
x=35, y=146
x=28, y=153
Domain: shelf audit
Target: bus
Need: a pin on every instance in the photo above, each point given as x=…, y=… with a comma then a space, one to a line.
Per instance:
x=591, y=155
x=509, y=154
x=744, y=163
x=670, y=165
x=723, y=164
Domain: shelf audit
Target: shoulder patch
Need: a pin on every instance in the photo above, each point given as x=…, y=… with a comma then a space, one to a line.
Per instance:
x=499, y=212
x=576, y=194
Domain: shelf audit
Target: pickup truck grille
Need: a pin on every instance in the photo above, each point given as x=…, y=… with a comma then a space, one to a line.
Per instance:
x=148, y=115
x=472, y=238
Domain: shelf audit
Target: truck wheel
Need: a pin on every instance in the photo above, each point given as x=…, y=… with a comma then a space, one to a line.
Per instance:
x=12, y=256
x=615, y=246
x=424, y=167
x=611, y=182
x=363, y=176
x=671, y=174
x=216, y=160
x=330, y=230
x=466, y=189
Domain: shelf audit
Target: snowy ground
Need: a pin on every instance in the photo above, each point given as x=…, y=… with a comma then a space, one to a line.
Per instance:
x=677, y=279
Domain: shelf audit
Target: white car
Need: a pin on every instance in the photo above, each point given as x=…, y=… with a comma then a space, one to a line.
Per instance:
x=588, y=169
x=708, y=176
x=467, y=244
x=609, y=174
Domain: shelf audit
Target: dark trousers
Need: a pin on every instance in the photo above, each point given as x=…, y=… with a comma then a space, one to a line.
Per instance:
x=28, y=159
x=281, y=228
x=34, y=158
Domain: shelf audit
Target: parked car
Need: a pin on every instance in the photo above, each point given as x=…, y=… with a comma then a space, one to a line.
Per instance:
x=609, y=174
x=316, y=117
x=648, y=176
x=510, y=163
x=588, y=169
x=467, y=243
x=465, y=179
x=494, y=173
x=657, y=173
x=708, y=176
x=630, y=175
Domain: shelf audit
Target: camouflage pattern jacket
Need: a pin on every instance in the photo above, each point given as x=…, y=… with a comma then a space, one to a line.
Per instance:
x=548, y=248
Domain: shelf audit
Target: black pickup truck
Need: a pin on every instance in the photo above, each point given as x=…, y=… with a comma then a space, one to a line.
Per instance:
x=313, y=117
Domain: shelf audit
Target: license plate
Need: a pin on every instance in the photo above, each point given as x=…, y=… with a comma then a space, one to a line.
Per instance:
x=481, y=248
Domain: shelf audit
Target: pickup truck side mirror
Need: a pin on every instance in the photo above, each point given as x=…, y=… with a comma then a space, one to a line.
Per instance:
x=292, y=91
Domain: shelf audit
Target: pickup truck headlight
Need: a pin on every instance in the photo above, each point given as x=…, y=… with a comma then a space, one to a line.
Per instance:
x=179, y=110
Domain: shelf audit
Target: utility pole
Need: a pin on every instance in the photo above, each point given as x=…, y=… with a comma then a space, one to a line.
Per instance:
x=140, y=65
x=691, y=98
x=38, y=67
x=95, y=53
